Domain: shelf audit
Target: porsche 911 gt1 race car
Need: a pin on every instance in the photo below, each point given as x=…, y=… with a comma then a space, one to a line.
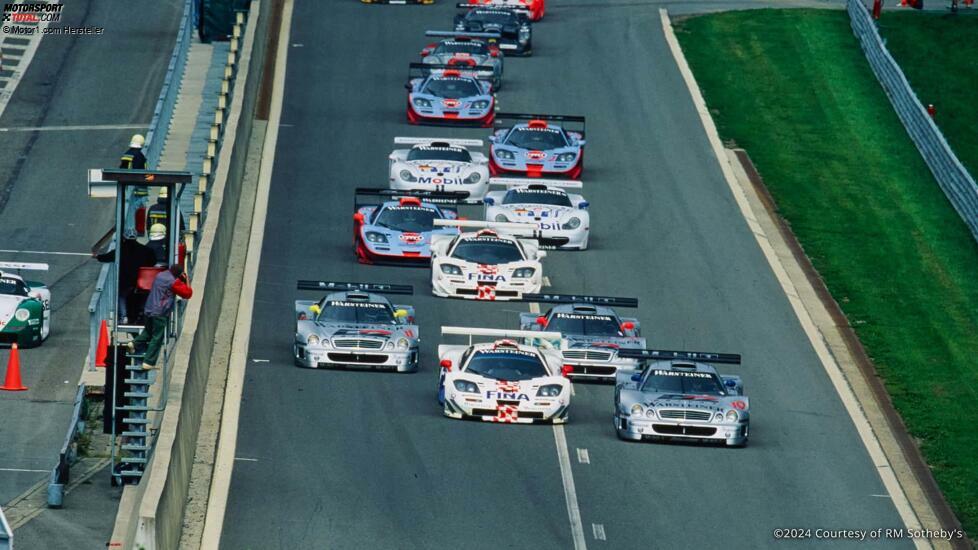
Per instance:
x=503, y=380
x=461, y=48
x=536, y=148
x=593, y=334
x=514, y=27
x=533, y=8
x=353, y=325
x=399, y=229
x=680, y=395
x=439, y=164
x=438, y=94
x=25, y=306
x=544, y=203
x=499, y=261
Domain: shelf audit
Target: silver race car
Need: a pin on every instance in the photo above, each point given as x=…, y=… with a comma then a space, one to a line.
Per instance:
x=439, y=164
x=466, y=48
x=593, y=334
x=680, y=395
x=544, y=203
x=353, y=325
x=516, y=378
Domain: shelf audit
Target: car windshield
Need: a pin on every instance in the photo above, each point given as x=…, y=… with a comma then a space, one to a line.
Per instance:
x=509, y=365
x=451, y=87
x=356, y=313
x=683, y=382
x=553, y=197
x=538, y=139
x=584, y=325
x=473, y=48
x=495, y=17
x=9, y=285
x=407, y=219
x=456, y=154
x=488, y=251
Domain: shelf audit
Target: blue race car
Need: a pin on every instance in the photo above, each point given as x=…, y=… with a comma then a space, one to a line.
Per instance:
x=399, y=229
x=535, y=148
x=458, y=94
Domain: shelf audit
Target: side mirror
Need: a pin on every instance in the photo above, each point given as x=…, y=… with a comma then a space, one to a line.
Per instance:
x=446, y=364
x=581, y=142
x=628, y=325
x=730, y=383
x=358, y=217
x=401, y=314
x=489, y=201
x=542, y=254
x=302, y=316
x=566, y=370
x=583, y=205
x=315, y=309
x=492, y=138
x=542, y=321
x=637, y=377
x=408, y=87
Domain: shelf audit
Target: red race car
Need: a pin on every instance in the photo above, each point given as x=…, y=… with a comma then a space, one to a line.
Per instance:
x=534, y=8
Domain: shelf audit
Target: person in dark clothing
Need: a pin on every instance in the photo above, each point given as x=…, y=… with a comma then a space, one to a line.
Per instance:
x=133, y=158
x=134, y=256
x=158, y=243
x=159, y=212
x=159, y=305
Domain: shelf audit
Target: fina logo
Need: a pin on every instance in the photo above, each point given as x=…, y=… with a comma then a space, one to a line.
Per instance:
x=506, y=395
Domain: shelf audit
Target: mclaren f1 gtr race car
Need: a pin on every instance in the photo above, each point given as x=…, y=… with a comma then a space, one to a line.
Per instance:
x=25, y=306
x=537, y=145
x=545, y=203
x=503, y=380
x=514, y=27
x=450, y=95
x=499, y=261
x=593, y=333
x=439, y=164
x=461, y=48
x=533, y=8
x=399, y=230
x=353, y=325
x=680, y=395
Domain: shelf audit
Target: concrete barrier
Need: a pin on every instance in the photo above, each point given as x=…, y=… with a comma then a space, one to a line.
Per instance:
x=151, y=513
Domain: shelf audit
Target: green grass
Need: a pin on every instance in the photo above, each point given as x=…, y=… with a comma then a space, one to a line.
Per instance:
x=792, y=87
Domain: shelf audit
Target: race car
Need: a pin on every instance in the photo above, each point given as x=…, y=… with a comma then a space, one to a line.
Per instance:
x=439, y=164
x=593, y=333
x=353, y=325
x=499, y=261
x=680, y=395
x=452, y=95
x=533, y=8
x=503, y=380
x=534, y=147
x=514, y=27
x=25, y=306
x=544, y=203
x=461, y=48
x=399, y=229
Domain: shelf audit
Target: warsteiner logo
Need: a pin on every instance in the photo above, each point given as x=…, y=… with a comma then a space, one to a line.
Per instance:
x=32, y=13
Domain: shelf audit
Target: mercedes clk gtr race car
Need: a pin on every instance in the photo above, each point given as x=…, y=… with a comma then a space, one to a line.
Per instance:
x=399, y=229
x=545, y=203
x=593, y=333
x=517, y=378
x=25, y=306
x=462, y=48
x=533, y=8
x=680, y=395
x=498, y=261
x=354, y=326
x=439, y=164
x=450, y=95
x=513, y=25
x=535, y=147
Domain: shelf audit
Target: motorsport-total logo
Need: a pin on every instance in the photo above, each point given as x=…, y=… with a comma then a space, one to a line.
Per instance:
x=33, y=12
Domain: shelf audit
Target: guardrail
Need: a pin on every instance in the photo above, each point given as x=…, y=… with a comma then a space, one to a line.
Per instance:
x=6, y=533
x=61, y=473
x=951, y=175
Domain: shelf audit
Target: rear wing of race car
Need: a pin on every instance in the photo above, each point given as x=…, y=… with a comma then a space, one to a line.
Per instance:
x=521, y=182
x=436, y=142
x=522, y=230
x=494, y=6
x=552, y=338
x=335, y=286
x=423, y=70
x=666, y=355
x=610, y=301
x=433, y=197
x=565, y=120
x=23, y=266
x=463, y=34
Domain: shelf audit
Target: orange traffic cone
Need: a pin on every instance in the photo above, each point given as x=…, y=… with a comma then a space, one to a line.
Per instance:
x=102, y=348
x=12, y=382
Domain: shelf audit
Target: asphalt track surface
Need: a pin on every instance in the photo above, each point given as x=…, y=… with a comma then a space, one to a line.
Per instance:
x=111, y=79
x=337, y=459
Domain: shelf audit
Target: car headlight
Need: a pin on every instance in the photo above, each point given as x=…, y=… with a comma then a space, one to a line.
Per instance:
x=550, y=390
x=505, y=155
x=637, y=409
x=22, y=314
x=524, y=35
x=474, y=177
x=524, y=273
x=566, y=157
x=422, y=102
x=501, y=218
x=403, y=343
x=406, y=175
x=481, y=104
x=312, y=340
x=374, y=237
x=732, y=416
x=466, y=386
x=718, y=417
x=449, y=269
x=572, y=223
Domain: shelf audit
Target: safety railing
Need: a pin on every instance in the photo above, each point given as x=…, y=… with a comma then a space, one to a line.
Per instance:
x=163, y=113
x=951, y=175
x=100, y=308
x=61, y=473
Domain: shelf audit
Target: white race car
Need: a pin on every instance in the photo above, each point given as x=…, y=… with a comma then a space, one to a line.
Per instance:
x=439, y=164
x=545, y=203
x=500, y=261
x=505, y=380
x=25, y=306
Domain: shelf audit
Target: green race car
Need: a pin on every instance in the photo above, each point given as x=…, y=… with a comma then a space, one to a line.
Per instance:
x=25, y=306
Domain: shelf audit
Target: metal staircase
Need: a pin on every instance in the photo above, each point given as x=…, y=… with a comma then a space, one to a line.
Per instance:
x=135, y=417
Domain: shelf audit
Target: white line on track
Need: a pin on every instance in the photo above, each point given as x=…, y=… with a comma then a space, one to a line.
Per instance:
x=87, y=254
x=261, y=360
x=583, y=456
x=570, y=493
x=22, y=470
x=85, y=128
x=34, y=41
x=243, y=459
x=598, y=530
